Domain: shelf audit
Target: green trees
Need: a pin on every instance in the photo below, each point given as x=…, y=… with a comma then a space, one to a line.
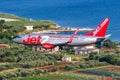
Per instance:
x=94, y=56
x=1, y=24
x=21, y=73
x=110, y=44
x=6, y=32
x=112, y=59
x=27, y=59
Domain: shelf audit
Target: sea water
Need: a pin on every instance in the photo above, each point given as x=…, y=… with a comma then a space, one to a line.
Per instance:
x=68, y=13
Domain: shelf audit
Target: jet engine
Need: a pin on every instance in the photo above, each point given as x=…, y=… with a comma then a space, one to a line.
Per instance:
x=47, y=46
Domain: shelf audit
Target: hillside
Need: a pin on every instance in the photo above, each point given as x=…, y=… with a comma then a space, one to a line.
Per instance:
x=21, y=22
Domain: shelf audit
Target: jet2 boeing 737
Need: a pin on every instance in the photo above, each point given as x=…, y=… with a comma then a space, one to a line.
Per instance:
x=48, y=41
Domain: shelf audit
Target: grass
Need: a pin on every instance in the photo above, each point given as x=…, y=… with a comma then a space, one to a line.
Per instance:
x=113, y=69
x=25, y=22
x=52, y=77
x=107, y=69
x=95, y=72
x=66, y=76
x=11, y=16
x=4, y=63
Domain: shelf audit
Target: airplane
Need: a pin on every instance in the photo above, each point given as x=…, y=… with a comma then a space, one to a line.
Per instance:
x=50, y=41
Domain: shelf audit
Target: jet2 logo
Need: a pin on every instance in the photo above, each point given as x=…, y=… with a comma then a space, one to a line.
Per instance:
x=44, y=39
x=32, y=40
x=100, y=27
x=35, y=40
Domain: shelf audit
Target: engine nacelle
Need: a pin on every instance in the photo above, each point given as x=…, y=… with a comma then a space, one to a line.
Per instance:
x=47, y=46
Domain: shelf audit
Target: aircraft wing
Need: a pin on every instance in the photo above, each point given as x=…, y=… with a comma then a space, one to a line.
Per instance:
x=59, y=43
x=72, y=37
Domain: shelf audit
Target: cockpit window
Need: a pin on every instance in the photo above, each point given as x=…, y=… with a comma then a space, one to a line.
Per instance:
x=18, y=37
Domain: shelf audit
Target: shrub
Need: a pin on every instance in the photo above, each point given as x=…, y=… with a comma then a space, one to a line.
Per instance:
x=100, y=72
x=87, y=64
x=7, y=66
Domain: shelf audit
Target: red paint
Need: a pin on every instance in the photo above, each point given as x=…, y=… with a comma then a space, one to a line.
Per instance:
x=47, y=45
x=72, y=37
x=61, y=36
x=100, y=31
x=76, y=32
x=32, y=40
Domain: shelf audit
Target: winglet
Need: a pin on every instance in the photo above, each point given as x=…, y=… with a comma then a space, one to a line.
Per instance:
x=76, y=32
x=107, y=36
x=100, y=31
x=71, y=37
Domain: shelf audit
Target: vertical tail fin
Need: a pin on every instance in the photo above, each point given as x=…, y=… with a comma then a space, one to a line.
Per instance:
x=100, y=31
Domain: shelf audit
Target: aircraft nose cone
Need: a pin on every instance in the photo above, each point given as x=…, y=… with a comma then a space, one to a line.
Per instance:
x=17, y=40
x=14, y=39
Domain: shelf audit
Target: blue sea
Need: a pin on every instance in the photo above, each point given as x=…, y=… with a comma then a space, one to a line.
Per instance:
x=68, y=13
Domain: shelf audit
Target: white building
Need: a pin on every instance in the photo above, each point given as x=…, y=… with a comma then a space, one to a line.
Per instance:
x=86, y=49
x=8, y=19
x=66, y=59
x=29, y=27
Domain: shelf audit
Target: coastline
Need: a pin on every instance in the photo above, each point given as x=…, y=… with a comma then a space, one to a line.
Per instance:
x=59, y=31
x=53, y=31
x=14, y=18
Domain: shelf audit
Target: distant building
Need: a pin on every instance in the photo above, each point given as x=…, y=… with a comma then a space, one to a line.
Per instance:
x=66, y=59
x=118, y=47
x=108, y=78
x=8, y=19
x=29, y=27
x=85, y=50
x=54, y=26
x=110, y=51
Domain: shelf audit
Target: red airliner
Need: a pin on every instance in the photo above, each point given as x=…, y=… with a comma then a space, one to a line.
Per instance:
x=50, y=41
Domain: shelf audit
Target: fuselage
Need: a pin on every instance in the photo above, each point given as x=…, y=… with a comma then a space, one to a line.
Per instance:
x=39, y=39
x=50, y=41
